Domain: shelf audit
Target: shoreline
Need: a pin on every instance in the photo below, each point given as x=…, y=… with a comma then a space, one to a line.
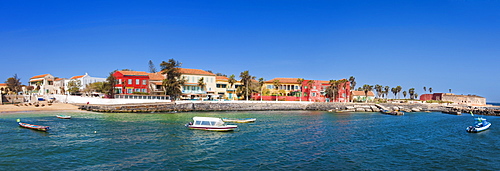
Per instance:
x=236, y=106
x=13, y=108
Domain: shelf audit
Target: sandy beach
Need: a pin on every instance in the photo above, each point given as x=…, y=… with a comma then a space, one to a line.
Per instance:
x=10, y=108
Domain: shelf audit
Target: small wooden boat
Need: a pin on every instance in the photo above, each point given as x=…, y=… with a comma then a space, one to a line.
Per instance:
x=246, y=120
x=63, y=117
x=210, y=124
x=35, y=127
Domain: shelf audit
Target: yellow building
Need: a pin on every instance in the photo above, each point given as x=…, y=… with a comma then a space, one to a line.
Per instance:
x=287, y=86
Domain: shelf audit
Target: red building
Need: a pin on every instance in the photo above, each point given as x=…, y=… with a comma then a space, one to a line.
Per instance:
x=129, y=82
x=343, y=91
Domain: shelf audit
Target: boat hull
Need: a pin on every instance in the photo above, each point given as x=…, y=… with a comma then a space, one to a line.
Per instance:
x=63, y=117
x=35, y=127
x=473, y=129
x=214, y=128
x=239, y=120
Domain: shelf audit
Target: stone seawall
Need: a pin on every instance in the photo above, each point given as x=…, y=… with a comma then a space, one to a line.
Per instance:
x=238, y=106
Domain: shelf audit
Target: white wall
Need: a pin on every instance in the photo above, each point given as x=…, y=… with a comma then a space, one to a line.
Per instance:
x=98, y=100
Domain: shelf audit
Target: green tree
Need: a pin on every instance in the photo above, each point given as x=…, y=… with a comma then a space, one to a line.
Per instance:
x=367, y=88
x=109, y=85
x=152, y=68
x=14, y=84
x=352, y=80
x=231, y=82
x=411, y=91
x=379, y=90
x=173, y=81
x=404, y=94
x=333, y=89
x=394, y=91
x=74, y=86
x=386, y=91
x=309, y=86
x=261, y=84
x=300, y=81
x=398, y=89
x=246, y=79
x=277, y=84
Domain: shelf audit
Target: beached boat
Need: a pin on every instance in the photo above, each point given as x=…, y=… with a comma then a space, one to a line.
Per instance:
x=35, y=127
x=246, y=120
x=63, y=117
x=480, y=124
x=392, y=112
x=210, y=124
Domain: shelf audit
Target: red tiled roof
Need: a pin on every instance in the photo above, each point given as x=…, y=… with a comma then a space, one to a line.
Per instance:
x=362, y=93
x=39, y=76
x=221, y=78
x=134, y=73
x=194, y=71
x=3, y=84
x=156, y=76
x=284, y=80
x=76, y=77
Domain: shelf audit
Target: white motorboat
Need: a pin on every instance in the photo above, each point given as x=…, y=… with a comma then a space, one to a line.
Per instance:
x=480, y=124
x=210, y=124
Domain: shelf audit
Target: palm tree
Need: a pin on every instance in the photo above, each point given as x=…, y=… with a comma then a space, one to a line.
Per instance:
x=449, y=90
x=276, y=84
x=411, y=91
x=425, y=89
x=430, y=90
x=245, y=79
x=309, y=84
x=398, y=89
x=300, y=81
x=386, y=91
x=231, y=82
x=202, y=85
x=333, y=89
x=261, y=83
x=394, y=91
x=378, y=89
x=353, y=82
x=404, y=94
x=366, y=89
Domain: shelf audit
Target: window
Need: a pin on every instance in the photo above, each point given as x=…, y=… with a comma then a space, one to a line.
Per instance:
x=129, y=91
x=144, y=90
x=120, y=81
x=137, y=81
x=313, y=94
x=129, y=81
x=144, y=82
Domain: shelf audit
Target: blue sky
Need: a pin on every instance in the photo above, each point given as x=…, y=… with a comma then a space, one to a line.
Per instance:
x=449, y=44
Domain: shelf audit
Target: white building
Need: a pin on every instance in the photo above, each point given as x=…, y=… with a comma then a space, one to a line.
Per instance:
x=84, y=80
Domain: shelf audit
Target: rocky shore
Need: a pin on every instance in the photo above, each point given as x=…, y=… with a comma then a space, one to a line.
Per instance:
x=265, y=106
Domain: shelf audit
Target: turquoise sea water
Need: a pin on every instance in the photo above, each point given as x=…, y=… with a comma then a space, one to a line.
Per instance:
x=278, y=140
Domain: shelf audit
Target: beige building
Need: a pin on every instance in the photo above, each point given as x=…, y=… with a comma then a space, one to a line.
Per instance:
x=43, y=84
x=464, y=99
x=191, y=90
